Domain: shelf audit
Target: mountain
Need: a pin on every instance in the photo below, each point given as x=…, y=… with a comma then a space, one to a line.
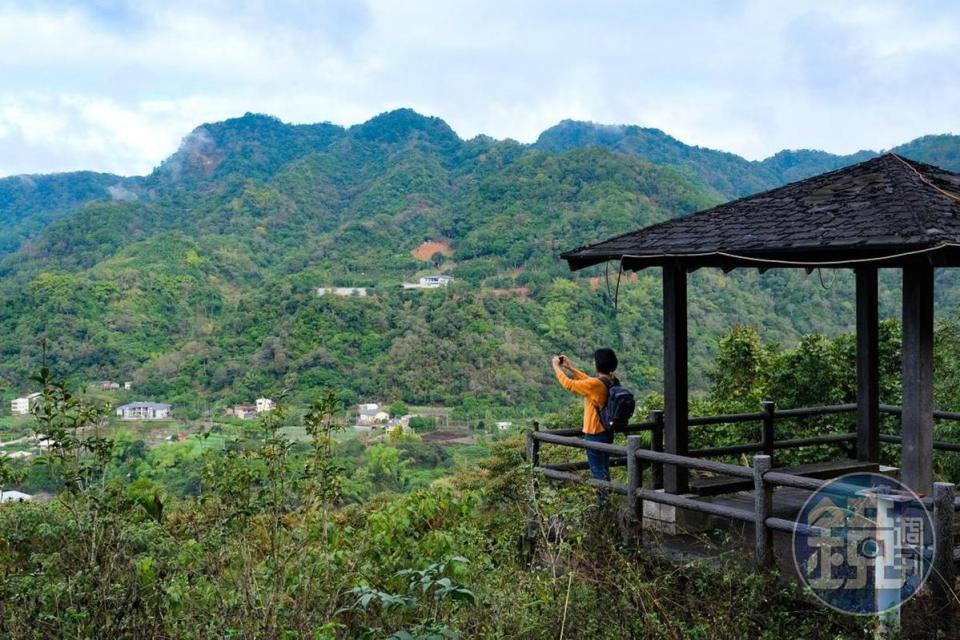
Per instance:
x=942, y=151
x=727, y=173
x=29, y=203
x=202, y=289
x=790, y=166
x=256, y=145
x=198, y=281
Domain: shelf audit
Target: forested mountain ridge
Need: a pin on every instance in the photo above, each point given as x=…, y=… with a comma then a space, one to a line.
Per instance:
x=30, y=203
x=199, y=283
x=257, y=145
x=729, y=174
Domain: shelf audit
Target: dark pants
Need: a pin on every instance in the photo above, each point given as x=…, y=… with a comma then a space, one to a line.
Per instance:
x=599, y=461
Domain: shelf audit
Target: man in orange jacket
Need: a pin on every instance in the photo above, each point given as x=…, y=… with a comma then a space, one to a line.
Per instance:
x=594, y=392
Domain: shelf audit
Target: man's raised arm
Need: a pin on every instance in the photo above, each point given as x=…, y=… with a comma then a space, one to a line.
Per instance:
x=579, y=384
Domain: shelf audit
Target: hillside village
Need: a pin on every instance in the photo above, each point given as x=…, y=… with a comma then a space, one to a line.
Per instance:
x=369, y=415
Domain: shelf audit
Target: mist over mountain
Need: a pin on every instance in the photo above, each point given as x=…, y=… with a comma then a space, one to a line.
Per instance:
x=199, y=281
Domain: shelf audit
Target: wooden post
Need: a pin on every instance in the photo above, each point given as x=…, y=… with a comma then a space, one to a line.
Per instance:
x=656, y=445
x=942, y=574
x=533, y=497
x=868, y=366
x=675, y=399
x=767, y=435
x=533, y=447
x=763, y=505
x=917, y=416
x=634, y=484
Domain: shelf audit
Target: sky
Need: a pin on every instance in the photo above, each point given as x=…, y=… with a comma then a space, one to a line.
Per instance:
x=115, y=86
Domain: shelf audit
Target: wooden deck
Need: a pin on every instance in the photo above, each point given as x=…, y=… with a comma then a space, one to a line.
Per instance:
x=787, y=501
x=703, y=543
x=700, y=541
x=720, y=537
x=720, y=484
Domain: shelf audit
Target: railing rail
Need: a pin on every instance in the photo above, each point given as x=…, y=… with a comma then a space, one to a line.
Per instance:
x=634, y=455
x=630, y=428
x=767, y=420
x=767, y=445
x=765, y=479
x=937, y=414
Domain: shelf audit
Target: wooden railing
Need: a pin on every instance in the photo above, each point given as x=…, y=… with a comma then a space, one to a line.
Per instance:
x=767, y=418
x=635, y=456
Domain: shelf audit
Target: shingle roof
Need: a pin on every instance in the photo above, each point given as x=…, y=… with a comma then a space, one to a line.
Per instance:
x=874, y=210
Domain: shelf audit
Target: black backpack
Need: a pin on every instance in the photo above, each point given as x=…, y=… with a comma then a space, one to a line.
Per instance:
x=620, y=405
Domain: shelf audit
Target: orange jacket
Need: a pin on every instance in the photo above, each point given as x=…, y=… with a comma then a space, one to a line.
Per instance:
x=594, y=393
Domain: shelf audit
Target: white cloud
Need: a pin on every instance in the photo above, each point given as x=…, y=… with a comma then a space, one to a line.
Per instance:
x=114, y=86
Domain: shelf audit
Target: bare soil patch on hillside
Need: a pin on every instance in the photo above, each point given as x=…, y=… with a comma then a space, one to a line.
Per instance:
x=426, y=250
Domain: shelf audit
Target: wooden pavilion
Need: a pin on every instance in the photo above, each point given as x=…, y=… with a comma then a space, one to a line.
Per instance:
x=887, y=212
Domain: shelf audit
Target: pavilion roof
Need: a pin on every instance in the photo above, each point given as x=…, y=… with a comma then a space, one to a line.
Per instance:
x=889, y=211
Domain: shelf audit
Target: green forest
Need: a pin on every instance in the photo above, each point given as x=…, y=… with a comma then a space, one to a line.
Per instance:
x=198, y=281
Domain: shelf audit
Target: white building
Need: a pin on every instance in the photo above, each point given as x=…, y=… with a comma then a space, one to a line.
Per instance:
x=503, y=425
x=21, y=406
x=369, y=414
x=429, y=282
x=265, y=404
x=14, y=496
x=342, y=291
x=144, y=411
x=243, y=411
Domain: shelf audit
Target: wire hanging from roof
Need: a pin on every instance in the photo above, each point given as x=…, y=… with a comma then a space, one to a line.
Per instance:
x=616, y=297
x=822, y=283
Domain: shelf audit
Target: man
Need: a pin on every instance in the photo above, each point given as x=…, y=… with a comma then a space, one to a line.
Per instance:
x=594, y=392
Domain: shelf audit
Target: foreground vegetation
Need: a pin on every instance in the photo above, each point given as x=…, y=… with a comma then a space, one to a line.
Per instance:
x=250, y=531
x=269, y=549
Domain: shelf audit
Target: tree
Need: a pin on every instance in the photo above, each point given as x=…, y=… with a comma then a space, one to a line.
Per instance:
x=398, y=409
x=386, y=467
x=740, y=374
x=421, y=422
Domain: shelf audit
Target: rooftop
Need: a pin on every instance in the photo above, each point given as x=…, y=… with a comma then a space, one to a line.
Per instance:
x=874, y=211
x=14, y=496
x=144, y=405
